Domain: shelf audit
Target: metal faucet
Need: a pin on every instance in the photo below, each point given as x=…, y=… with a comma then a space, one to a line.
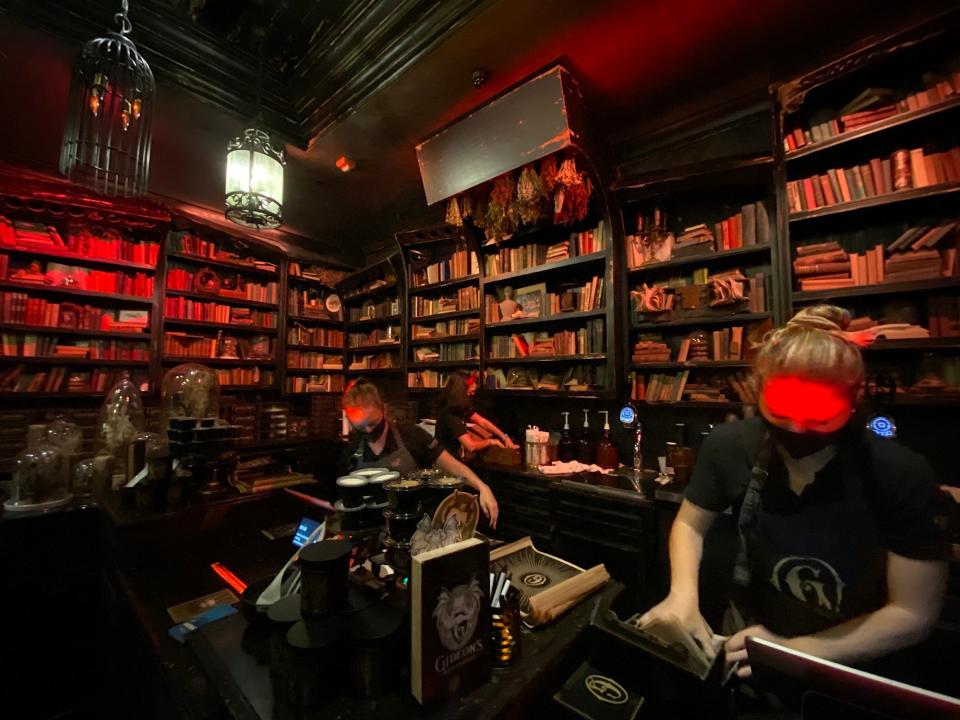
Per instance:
x=638, y=451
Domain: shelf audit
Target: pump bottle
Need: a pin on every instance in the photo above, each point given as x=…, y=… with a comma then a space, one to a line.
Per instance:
x=606, y=450
x=587, y=449
x=567, y=447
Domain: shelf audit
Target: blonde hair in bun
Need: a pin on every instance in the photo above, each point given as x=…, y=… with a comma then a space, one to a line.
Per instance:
x=814, y=344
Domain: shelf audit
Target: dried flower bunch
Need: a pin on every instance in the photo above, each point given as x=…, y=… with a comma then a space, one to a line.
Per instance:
x=525, y=198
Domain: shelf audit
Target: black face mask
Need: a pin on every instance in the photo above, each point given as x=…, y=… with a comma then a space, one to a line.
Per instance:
x=374, y=433
x=800, y=445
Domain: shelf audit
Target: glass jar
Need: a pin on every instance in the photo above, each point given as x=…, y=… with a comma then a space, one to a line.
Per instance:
x=121, y=418
x=65, y=434
x=190, y=390
x=84, y=475
x=39, y=477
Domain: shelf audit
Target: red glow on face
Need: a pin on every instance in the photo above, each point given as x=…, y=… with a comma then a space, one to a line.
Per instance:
x=806, y=404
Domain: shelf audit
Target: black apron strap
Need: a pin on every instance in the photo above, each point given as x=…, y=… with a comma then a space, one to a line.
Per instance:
x=747, y=519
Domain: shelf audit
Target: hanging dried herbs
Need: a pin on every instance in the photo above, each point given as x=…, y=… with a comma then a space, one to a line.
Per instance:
x=454, y=216
x=530, y=205
x=572, y=199
x=501, y=211
x=548, y=175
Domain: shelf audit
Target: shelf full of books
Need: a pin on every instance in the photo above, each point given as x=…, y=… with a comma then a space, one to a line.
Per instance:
x=872, y=154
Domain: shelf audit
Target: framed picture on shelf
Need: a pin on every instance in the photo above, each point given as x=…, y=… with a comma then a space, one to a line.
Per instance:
x=532, y=300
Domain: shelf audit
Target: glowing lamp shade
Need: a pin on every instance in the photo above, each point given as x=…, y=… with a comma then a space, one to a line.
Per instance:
x=254, y=188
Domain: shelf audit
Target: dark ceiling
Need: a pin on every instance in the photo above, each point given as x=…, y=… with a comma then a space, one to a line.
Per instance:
x=371, y=78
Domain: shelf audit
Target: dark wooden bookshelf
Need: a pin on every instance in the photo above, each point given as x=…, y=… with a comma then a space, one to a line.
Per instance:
x=548, y=267
x=249, y=388
x=702, y=320
x=86, y=394
x=700, y=259
x=372, y=321
x=548, y=320
x=897, y=120
x=73, y=332
x=898, y=196
x=69, y=257
x=446, y=339
x=532, y=392
x=443, y=285
x=79, y=362
x=315, y=371
x=69, y=292
x=300, y=280
x=239, y=267
x=445, y=316
x=308, y=319
x=641, y=187
x=414, y=365
x=373, y=371
x=222, y=362
x=373, y=348
x=211, y=297
x=220, y=326
x=885, y=288
x=572, y=359
x=926, y=401
x=300, y=393
x=352, y=298
x=707, y=365
x=316, y=348
x=934, y=343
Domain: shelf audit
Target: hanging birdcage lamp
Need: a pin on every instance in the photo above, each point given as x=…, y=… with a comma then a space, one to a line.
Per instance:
x=106, y=138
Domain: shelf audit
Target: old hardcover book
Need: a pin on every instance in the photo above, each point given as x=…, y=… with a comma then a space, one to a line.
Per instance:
x=845, y=193
x=763, y=224
x=449, y=620
x=749, y=215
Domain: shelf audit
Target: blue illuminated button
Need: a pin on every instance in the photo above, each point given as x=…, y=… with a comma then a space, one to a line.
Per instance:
x=882, y=426
x=627, y=415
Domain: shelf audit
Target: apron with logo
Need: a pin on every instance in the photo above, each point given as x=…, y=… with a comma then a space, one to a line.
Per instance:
x=803, y=572
x=400, y=459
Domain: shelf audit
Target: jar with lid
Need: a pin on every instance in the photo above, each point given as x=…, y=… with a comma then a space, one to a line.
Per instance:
x=190, y=390
x=40, y=477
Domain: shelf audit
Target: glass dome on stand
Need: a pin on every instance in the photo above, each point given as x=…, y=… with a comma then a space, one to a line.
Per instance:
x=40, y=476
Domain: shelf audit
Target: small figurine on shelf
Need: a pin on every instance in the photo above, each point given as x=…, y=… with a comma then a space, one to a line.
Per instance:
x=228, y=349
x=206, y=281
x=699, y=347
x=509, y=308
x=652, y=299
x=32, y=274
x=726, y=288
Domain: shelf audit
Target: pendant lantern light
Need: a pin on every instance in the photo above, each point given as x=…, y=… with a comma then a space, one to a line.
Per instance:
x=106, y=139
x=254, y=187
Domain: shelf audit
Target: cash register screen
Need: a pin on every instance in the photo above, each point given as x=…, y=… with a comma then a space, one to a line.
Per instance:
x=304, y=530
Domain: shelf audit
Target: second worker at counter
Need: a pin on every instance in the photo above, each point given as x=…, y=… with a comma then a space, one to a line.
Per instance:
x=405, y=448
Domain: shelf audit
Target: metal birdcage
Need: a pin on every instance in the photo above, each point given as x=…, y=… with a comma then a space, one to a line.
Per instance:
x=106, y=139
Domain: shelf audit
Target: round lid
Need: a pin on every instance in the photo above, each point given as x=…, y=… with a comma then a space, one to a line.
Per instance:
x=341, y=508
x=315, y=634
x=325, y=551
x=368, y=472
x=376, y=506
x=375, y=623
x=286, y=610
x=405, y=485
x=351, y=481
x=384, y=477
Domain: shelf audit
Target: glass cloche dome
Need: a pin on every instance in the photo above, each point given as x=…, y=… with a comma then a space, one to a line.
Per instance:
x=190, y=390
x=40, y=477
x=121, y=418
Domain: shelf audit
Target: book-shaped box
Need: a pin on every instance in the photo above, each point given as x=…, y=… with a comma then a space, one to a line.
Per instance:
x=548, y=586
x=450, y=620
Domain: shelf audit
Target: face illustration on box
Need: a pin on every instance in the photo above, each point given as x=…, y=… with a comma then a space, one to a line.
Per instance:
x=457, y=614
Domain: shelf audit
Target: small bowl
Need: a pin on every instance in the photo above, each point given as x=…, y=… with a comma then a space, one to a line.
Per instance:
x=352, y=489
x=404, y=495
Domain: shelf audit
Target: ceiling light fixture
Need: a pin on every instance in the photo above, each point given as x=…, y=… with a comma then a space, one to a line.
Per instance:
x=106, y=138
x=254, y=184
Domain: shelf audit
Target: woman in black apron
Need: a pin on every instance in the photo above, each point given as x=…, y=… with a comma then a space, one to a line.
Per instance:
x=840, y=555
x=456, y=410
x=405, y=449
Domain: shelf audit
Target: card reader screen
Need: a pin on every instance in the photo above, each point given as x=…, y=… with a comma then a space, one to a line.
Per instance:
x=304, y=530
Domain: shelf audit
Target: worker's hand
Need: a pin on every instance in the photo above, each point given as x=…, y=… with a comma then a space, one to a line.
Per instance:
x=488, y=503
x=736, y=647
x=674, y=608
x=510, y=443
x=493, y=442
